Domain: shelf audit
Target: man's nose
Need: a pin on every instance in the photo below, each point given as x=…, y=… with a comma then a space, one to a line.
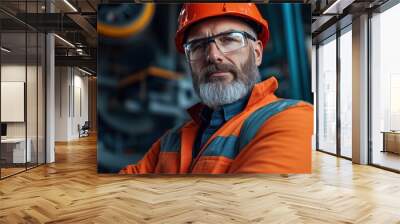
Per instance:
x=213, y=54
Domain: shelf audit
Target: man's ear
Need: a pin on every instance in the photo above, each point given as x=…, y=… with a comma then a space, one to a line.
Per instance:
x=258, y=52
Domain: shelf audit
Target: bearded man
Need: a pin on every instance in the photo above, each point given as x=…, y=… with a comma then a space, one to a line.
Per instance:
x=240, y=126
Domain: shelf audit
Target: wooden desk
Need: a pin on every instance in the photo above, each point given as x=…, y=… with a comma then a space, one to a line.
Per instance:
x=391, y=141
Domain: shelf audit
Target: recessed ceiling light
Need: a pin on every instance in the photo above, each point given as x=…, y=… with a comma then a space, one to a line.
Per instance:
x=70, y=5
x=64, y=40
x=84, y=71
x=5, y=50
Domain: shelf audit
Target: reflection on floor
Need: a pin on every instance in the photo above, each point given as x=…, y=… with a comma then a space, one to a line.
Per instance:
x=11, y=169
x=387, y=159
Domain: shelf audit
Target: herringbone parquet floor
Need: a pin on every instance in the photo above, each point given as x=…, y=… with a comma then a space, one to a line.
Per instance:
x=70, y=191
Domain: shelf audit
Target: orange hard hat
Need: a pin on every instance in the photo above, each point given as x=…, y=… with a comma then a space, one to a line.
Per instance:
x=195, y=12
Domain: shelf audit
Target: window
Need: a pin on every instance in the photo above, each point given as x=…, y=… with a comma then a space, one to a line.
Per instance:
x=385, y=89
x=327, y=95
x=345, y=94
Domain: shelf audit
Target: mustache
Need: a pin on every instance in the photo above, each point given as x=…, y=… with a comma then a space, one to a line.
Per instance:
x=213, y=68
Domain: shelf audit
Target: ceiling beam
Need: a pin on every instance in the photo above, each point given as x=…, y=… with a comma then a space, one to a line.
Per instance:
x=81, y=61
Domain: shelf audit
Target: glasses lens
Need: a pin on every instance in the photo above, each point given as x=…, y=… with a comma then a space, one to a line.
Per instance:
x=230, y=42
x=196, y=50
x=225, y=42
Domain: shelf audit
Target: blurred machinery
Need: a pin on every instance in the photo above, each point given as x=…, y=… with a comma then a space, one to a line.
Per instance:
x=288, y=54
x=140, y=95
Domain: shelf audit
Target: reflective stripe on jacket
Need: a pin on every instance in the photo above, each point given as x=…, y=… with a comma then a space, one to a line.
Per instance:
x=271, y=135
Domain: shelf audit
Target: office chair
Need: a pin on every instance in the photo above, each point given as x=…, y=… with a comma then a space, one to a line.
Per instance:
x=84, y=130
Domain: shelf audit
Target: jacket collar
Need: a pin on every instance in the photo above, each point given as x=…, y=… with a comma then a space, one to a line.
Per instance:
x=259, y=92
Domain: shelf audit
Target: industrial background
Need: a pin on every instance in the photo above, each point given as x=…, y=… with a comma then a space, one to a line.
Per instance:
x=144, y=84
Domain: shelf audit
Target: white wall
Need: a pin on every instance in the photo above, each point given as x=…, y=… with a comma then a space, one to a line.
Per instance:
x=12, y=73
x=71, y=94
x=80, y=110
x=61, y=103
x=13, y=101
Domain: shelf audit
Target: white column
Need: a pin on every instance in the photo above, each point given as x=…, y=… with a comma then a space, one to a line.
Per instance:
x=50, y=93
x=360, y=90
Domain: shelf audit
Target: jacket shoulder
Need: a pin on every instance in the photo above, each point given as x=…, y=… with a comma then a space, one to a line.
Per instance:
x=287, y=109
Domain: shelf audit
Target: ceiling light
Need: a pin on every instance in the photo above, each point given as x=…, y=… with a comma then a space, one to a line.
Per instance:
x=70, y=5
x=337, y=7
x=329, y=9
x=84, y=71
x=5, y=50
x=64, y=40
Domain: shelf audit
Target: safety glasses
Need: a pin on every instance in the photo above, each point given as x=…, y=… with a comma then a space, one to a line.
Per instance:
x=226, y=42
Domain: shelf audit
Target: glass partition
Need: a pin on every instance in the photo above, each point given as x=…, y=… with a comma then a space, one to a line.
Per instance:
x=22, y=78
x=41, y=91
x=13, y=105
x=31, y=100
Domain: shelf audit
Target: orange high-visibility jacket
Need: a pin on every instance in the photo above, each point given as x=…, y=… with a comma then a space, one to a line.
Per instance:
x=271, y=135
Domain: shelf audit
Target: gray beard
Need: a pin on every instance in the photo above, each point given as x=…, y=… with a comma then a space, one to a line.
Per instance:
x=214, y=94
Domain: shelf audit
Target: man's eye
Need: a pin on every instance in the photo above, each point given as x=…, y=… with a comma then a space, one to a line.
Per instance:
x=229, y=38
x=226, y=39
x=196, y=46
